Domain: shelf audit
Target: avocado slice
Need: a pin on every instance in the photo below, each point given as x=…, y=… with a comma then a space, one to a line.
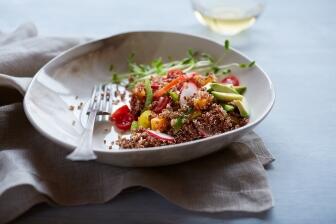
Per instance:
x=242, y=107
x=208, y=87
x=227, y=107
x=226, y=96
x=240, y=89
x=223, y=88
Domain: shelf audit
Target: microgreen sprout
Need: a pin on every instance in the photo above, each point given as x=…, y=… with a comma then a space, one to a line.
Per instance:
x=193, y=62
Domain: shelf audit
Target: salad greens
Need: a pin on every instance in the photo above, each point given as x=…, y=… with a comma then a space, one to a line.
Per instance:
x=193, y=62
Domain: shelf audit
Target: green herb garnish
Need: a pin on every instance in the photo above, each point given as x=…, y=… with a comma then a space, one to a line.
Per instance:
x=177, y=123
x=174, y=96
x=134, y=126
x=193, y=62
x=227, y=45
x=226, y=71
x=149, y=93
x=115, y=78
x=251, y=64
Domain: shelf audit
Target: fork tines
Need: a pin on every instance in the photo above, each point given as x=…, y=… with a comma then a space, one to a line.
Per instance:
x=101, y=99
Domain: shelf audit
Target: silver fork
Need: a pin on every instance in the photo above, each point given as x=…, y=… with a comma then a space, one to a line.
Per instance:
x=100, y=104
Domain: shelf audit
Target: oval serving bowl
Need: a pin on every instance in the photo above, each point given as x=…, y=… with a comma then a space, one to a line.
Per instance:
x=68, y=79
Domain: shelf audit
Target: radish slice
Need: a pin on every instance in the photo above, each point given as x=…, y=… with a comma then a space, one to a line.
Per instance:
x=188, y=89
x=190, y=75
x=160, y=135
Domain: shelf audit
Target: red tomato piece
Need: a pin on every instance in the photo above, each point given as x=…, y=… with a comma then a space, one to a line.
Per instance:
x=122, y=118
x=155, y=86
x=125, y=123
x=160, y=104
x=231, y=79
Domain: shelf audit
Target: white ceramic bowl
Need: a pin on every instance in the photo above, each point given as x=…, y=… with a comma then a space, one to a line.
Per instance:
x=73, y=73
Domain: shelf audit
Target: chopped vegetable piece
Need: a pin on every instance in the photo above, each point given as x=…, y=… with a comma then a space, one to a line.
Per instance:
x=224, y=88
x=158, y=123
x=208, y=87
x=242, y=107
x=226, y=96
x=134, y=126
x=167, y=87
x=200, y=103
x=122, y=118
x=139, y=91
x=159, y=135
x=149, y=93
x=144, y=119
x=231, y=79
x=177, y=123
x=228, y=107
x=174, y=96
x=240, y=89
x=188, y=90
x=161, y=104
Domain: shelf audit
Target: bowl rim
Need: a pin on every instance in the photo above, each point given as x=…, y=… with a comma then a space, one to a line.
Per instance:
x=157, y=148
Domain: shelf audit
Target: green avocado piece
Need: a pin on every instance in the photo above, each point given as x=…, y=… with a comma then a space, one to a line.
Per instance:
x=223, y=88
x=242, y=107
x=208, y=87
x=240, y=89
x=227, y=107
x=226, y=96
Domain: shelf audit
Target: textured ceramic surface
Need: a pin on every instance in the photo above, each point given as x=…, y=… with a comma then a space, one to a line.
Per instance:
x=74, y=73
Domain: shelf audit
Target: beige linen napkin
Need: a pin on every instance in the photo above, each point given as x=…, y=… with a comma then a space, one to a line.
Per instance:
x=34, y=169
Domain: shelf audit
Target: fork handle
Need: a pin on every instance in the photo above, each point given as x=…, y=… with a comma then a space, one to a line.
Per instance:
x=84, y=151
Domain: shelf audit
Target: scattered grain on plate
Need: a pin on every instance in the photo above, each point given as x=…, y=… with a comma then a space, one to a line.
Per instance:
x=71, y=107
x=73, y=123
x=80, y=105
x=76, y=97
x=104, y=141
x=110, y=147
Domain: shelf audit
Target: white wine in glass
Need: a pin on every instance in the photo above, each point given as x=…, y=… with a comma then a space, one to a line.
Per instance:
x=227, y=17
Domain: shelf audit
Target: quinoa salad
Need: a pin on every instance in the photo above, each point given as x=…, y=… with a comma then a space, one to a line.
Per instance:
x=179, y=100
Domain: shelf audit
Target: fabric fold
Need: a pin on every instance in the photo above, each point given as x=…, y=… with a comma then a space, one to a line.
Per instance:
x=34, y=170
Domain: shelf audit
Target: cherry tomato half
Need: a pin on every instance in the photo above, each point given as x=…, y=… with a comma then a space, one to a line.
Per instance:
x=231, y=79
x=122, y=118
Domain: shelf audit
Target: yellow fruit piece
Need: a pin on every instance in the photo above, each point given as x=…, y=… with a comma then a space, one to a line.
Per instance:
x=200, y=103
x=158, y=124
x=139, y=91
x=203, y=80
x=144, y=119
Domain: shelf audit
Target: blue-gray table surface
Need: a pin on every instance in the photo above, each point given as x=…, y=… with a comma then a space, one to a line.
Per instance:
x=294, y=41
